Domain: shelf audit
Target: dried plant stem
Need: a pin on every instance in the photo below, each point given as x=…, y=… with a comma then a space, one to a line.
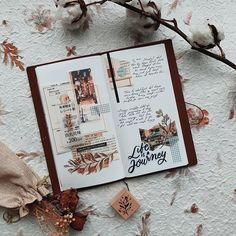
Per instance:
x=181, y=33
x=96, y=2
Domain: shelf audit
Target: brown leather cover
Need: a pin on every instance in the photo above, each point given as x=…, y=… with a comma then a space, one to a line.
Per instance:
x=178, y=96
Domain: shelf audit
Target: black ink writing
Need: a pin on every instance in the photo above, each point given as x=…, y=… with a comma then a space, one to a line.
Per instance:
x=135, y=115
x=142, y=155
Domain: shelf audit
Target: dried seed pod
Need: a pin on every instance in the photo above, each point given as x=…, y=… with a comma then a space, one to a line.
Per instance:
x=72, y=13
x=69, y=200
x=140, y=24
x=79, y=221
x=206, y=34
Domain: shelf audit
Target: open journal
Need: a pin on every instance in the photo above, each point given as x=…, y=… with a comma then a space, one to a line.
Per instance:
x=112, y=115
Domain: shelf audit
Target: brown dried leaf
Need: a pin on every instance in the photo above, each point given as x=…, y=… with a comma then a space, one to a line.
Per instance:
x=143, y=228
x=231, y=114
x=79, y=221
x=188, y=18
x=50, y=219
x=173, y=6
x=199, y=230
x=71, y=51
x=69, y=200
x=173, y=197
x=171, y=174
x=4, y=22
x=41, y=19
x=11, y=53
x=23, y=154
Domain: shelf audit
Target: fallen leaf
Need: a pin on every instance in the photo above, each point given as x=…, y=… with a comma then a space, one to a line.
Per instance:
x=143, y=228
x=71, y=51
x=231, y=114
x=187, y=19
x=199, y=230
x=11, y=54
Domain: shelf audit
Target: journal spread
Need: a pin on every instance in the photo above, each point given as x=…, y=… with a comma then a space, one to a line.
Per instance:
x=111, y=115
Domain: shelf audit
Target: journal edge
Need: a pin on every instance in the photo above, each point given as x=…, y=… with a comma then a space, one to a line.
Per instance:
x=191, y=154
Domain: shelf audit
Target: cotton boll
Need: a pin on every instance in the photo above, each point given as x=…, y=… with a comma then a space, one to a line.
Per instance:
x=206, y=34
x=140, y=24
x=72, y=14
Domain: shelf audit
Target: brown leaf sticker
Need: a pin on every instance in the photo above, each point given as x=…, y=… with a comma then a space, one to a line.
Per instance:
x=199, y=230
x=71, y=51
x=88, y=163
x=23, y=154
x=11, y=54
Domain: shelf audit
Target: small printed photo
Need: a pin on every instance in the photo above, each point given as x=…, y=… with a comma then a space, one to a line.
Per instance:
x=159, y=135
x=64, y=99
x=123, y=76
x=82, y=82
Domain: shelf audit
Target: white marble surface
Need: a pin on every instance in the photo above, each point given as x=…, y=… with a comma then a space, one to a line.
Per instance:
x=209, y=84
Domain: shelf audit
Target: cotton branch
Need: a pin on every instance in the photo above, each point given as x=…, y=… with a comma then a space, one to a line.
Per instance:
x=175, y=28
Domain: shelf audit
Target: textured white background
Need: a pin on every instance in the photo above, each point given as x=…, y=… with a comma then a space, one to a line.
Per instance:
x=209, y=84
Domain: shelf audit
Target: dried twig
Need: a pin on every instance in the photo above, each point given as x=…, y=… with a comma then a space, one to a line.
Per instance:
x=176, y=29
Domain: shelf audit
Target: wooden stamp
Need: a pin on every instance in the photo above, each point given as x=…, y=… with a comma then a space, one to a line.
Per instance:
x=125, y=204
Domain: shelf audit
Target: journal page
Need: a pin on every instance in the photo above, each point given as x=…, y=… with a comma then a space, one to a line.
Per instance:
x=80, y=122
x=146, y=116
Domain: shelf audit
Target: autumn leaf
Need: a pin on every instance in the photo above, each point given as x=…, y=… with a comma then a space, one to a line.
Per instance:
x=199, y=230
x=11, y=54
x=188, y=18
x=71, y=51
x=171, y=174
x=231, y=114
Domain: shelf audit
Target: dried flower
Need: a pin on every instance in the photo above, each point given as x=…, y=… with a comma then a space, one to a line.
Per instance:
x=140, y=24
x=78, y=221
x=73, y=14
x=206, y=34
x=69, y=200
x=41, y=19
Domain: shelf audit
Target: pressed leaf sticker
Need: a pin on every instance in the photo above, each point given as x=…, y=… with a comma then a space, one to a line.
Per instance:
x=11, y=55
x=88, y=163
